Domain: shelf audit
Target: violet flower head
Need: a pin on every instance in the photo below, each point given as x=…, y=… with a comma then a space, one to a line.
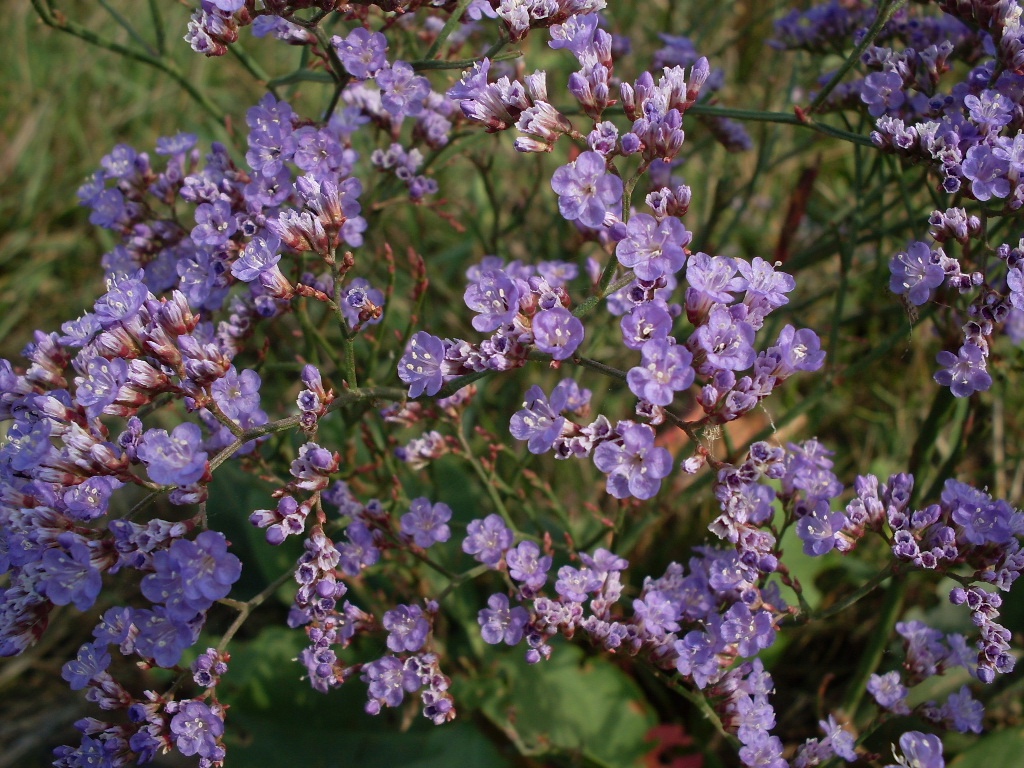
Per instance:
x=634, y=465
x=653, y=248
x=175, y=458
x=421, y=367
x=727, y=342
x=91, y=661
x=889, y=692
x=402, y=90
x=388, y=680
x=666, y=369
x=586, y=191
x=987, y=169
x=196, y=728
x=916, y=272
x=67, y=575
x=821, y=533
x=215, y=223
x=558, y=332
x=362, y=52
x=501, y=624
x=526, y=564
x=407, y=628
x=882, y=92
x=426, y=523
x=644, y=323
x=712, y=280
x=539, y=422
x=964, y=373
x=494, y=296
x=920, y=750
x=486, y=540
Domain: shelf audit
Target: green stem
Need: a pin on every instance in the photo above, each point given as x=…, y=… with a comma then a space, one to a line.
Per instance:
x=877, y=642
x=607, y=370
x=487, y=481
x=348, y=397
x=885, y=12
x=171, y=70
x=422, y=64
x=447, y=29
x=761, y=116
x=246, y=608
x=701, y=703
x=127, y=27
x=158, y=26
x=252, y=67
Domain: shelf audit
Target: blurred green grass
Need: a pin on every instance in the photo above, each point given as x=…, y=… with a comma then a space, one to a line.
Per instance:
x=65, y=104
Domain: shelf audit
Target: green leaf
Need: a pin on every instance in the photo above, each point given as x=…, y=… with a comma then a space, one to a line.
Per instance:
x=581, y=707
x=276, y=719
x=997, y=748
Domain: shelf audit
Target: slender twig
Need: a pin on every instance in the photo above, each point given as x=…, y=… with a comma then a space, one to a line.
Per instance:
x=158, y=62
x=447, y=29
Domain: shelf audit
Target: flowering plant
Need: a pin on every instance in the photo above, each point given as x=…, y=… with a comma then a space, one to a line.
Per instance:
x=575, y=410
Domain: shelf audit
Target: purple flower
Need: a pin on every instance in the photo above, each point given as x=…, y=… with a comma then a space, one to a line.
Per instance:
x=634, y=465
x=215, y=223
x=92, y=659
x=388, y=680
x=421, y=365
x=161, y=639
x=100, y=383
x=657, y=612
x=67, y=575
x=728, y=342
x=653, y=248
x=527, y=565
x=499, y=623
x=487, y=539
x=664, y=371
x=963, y=373
x=558, y=332
x=796, y=351
x=984, y=520
x=645, y=322
x=987, y=169
x=920, y=750
x=540, y=421
x=90, y=499
x=882, y=92
x=889, y=692
x=362, y=52
x=766, y=287
x=261, y=254
x=963, y=712
x=712, y=280
x=916, y=272
x=407, y=628
x=821, y=533
x=586, y=191
x=402, y=90
x=122, y=302
x=426, y=523
x=494, y=296
x=197, y=727
x=190, y=576
x=990, y=110
x=575, y=583
x=173, y=459
x=751, y=632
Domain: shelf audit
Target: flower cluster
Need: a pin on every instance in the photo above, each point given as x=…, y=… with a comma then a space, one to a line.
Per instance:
x=238, y=286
